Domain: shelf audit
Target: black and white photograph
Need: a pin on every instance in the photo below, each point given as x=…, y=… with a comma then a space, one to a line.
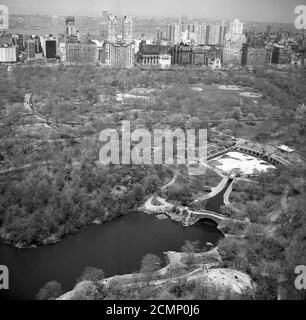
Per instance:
x=153, y=151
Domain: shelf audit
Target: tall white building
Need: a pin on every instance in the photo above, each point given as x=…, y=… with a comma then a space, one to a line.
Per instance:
x=70, y=27
x=174, y=34
x=8, y=54
x=119, y=54
x=112, y=28
x=214, y=34
x=236, y=27
x=234, y=40
x=127, y=29
x=201, y=34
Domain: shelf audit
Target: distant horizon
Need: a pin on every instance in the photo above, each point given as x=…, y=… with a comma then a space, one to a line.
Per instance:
x=259, y=11
x=146, y=16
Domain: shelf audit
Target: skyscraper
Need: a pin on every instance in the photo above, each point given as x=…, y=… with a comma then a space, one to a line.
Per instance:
x=184, y=23
x=222, y=33
x=4, y=18
x=70, y=27
x=112, y=28
x=81, y=53
x=127, y=29
x=234, y=40
x=51, y=49
x=214, y=34
x=174, y=34
x=236, y=27
x=119, y=54
x=30, y=49
x=8, y=54
x=201, y=34
x=49, y=46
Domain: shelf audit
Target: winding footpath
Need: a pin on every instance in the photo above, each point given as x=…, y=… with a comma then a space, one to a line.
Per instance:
x=30, y=108
x=166, y=207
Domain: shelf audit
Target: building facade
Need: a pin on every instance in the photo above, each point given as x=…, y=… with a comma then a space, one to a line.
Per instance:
x=118, y=54
x=49, y=46
x=51, y=49
x=253, y=57
x=214, y=34
x=30, y=49
x=80, y=53
x=6, y=39
x=127, y=29
x=154, y=55
x=233, y=43
x=281, y=55
x=174, y=34
x=195, y=55
x=71, y=30
x=8, y=54
x=201, y=34
x=112, y=28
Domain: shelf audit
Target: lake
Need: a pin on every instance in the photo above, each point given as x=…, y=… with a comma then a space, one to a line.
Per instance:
x=117, y=247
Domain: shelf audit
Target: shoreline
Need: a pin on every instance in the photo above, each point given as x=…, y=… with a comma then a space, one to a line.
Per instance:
x=53, y=239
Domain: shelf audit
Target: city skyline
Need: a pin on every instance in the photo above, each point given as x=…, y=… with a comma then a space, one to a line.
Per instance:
x=278, y=11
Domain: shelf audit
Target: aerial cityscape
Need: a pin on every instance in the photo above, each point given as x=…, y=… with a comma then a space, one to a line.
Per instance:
x=152, y=156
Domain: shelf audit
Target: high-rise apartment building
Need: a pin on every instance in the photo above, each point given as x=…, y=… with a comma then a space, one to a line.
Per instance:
x=223, y=31
x=201, y=34
x=174, y=34
x=82, y=53
x=8, y=54
x=119, y=50
x=281, y=54
x=233, y=43
x=51, y=49
x=161, y=35
x=19, y=43
x=188, y=35
x=214, y=34
x=112, y=28
x=119, y=54
x=49, y=46
x=236, y=27
x=30, y=49
x=195, y=55
x=70, y=27
x=8, y=47
x=127, y=29
x=254, y=57
x=183, y=23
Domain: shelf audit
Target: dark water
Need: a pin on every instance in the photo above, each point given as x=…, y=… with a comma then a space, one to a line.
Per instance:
x=117, y=247
x=214, y=204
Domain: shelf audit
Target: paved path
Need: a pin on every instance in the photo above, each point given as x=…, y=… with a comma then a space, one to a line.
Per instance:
x=171, y=182
x=30, y=108
x=166, y=206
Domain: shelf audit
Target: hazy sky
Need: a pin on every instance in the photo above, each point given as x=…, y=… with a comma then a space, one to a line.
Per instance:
x=253, y=10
